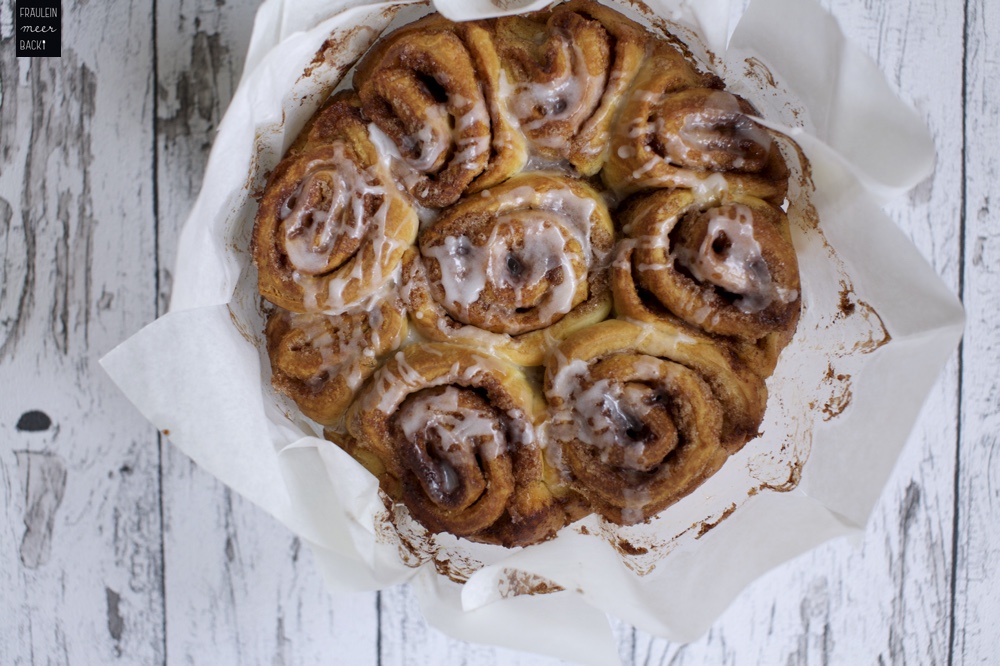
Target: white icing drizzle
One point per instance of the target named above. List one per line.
(431, 145)
(571, 97)
(413, 337)
(622, 258)
(382, 246)
(447, 327)
(469, 134)
(649, 96)
(689, 154)
(451, 428)
(626, 151)
(310, 235)
(341, 341)
(463, 276)
(384, 146)
(468, 147)
(507, 135)
(538, 162)
(699, 135)
(319, 337)
(506, 91)
(635, 499)
(544, 250)
(730, 257)
(576, 210)
(705, 185)
(693, 144)
(426, 215)
(547, 221)
(604, 414)
(395, 386)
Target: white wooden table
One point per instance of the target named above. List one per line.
(115, 548)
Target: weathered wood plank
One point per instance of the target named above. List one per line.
(200, 46)
(240, 588)
(889, 601)
(977, 610)
(80, 545)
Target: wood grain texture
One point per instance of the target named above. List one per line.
(200, 46)
(80, 566)
(977, 611)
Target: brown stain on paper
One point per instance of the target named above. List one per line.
(628, 548)
(417, 546)
(337, 43)
(515, 583)
(706, 526)
(414, 543)
(794, 477)
(841, 396)
(758, 71)
(878, 335)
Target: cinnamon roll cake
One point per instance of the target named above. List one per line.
(530, 268)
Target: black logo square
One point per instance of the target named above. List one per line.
(38, 28)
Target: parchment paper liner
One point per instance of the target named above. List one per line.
(843, 399)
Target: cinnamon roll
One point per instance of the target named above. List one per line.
(641, 415)
(566, 71)
(700, 138)
(514, 267)
(726, 266)
(320, 361)
(515, 405)
(455, 430)
(433, 88)
(331, 228)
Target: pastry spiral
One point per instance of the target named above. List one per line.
(514, 267)
(727, 267)
(568, 166)
(699, 138)
(331, 228)
(641, 415)
(320, 361)
(566, 71)
(433, 88)
(455, 430)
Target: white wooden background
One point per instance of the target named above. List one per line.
(115, 548)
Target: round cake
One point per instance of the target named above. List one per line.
(530, 268)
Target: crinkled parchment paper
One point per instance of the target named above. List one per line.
(843, 399)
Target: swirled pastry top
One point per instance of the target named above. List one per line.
(530, 268)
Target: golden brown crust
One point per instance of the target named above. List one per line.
(513, 269)
(331, 227)
(320, 361)
(727, 267)
(365, 457)
(641, 415)
(567, 70)
(433, 88)
(669, 135)
(456, 432)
